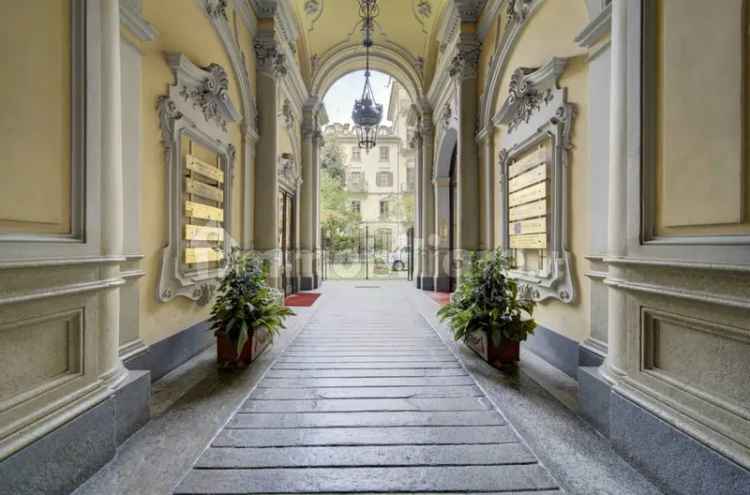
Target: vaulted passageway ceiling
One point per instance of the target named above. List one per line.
(405, 26)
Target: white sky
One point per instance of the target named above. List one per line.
(340, 98)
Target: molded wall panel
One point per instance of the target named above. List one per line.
(700, 116)
(35, 123)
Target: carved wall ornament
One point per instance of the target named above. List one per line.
(219, 9)
(287, 113)
(288, 172)
(523, 96)
(518, 13)
(446, 115)
(198, 107)
(424, 8)
(533, 162)
(270, 58)
(210, 94)
(466, 60)
(518, 10)
(312, 7)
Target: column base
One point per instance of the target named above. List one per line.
(427, 283)
(443, 284)
(307, 282)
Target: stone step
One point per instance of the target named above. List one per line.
(367, 392)
(374, 479)
(382, 455)
(364, 382)
(361, 405)
(404, 435)
(364, 373)
(362, 419)
(332, 365)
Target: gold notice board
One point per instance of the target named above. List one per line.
(203, 219)
(528, 199)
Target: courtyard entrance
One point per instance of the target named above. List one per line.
(368, 254)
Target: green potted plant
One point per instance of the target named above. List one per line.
(487, 312)
(247, 313)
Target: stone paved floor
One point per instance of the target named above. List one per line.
(367, 399)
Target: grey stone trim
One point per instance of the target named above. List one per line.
(60, 461)
(558, 350)
(166, 355)
(597, 29)
(63, 459)
(673, 459)
(489, 15)
(133, 21)
(593, 398)
(132, 404)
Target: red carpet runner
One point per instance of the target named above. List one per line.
(301, 299)
(441, 298)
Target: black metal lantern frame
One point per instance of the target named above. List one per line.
(367, 113)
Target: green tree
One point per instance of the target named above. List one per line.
(338, 221)
(332, 161)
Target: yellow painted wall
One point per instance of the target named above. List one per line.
(703, 179)
(549, 33)
(182, 27)
(35, 121)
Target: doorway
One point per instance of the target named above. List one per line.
(453, 216)
(287, 229)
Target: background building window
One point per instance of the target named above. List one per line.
(356, 156)
(357, 207)
(385, 153)
(384, 179)
(384, 208)
(411, 179)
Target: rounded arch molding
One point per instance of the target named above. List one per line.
(340, 61)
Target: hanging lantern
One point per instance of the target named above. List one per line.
(367, 113)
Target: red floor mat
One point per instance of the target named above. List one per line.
(441, 298)
(301, 299)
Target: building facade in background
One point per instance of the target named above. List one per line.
(380, 184)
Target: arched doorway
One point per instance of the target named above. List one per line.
(367, 197)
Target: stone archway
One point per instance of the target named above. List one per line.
(445, 158)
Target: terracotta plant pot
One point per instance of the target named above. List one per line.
(497, 355)
(226, 350)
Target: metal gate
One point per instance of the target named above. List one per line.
(366, 254)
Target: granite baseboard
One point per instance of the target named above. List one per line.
(674, 460)
(558, 350)
(306, 283)
(428, 283)
(60, 461)
(593, 398)
(164, 356)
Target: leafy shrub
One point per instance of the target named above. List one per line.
(487, 300)
(244, 301)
